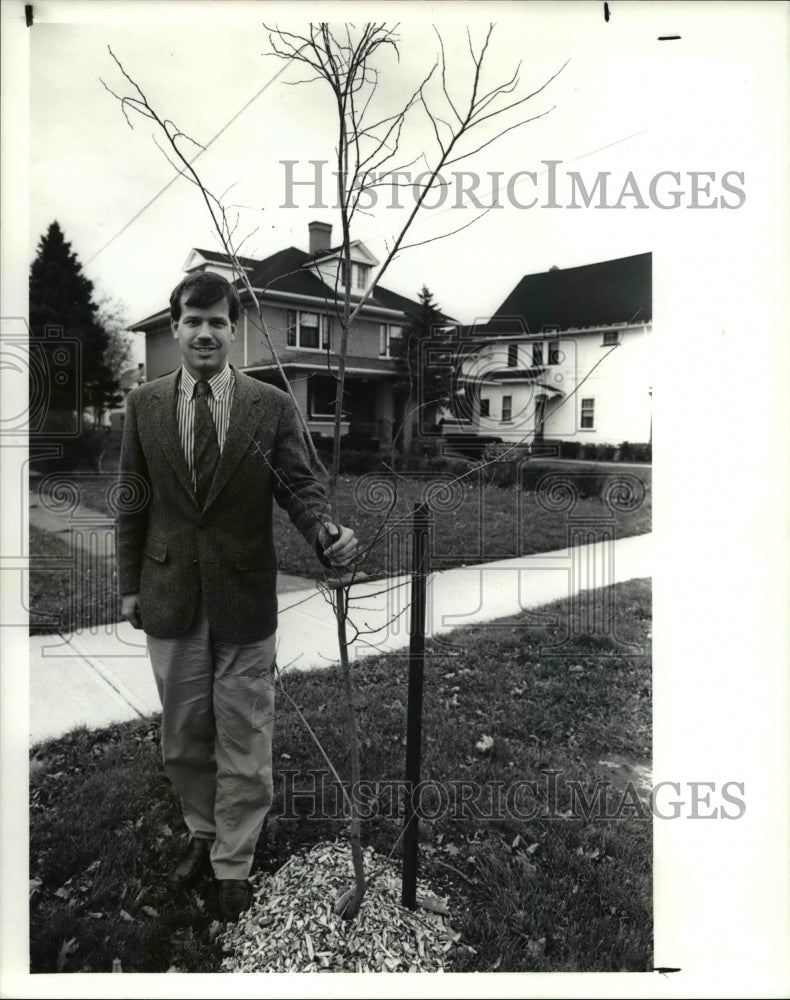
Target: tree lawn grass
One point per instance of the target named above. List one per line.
(521, 732)
(479, 522)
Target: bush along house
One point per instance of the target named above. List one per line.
(564, 363)
(301, 295)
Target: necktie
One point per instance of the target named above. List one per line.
(206, 451)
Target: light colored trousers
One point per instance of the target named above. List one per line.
(217, 723)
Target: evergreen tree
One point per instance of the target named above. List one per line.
(61, 297)
(427, 378)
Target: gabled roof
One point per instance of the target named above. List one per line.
(285, 271)
(215, 257)
(603, 294)
(294, 272)
(358, 253)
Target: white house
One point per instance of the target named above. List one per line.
(565, 357)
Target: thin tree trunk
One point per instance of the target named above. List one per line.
(349, 907)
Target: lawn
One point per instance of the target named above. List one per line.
(549, 882)
(65, 593)
(477, 522)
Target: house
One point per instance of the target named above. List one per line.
(301, 297)
(565, 357)
(129, 379)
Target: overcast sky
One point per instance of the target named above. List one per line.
(625, 102)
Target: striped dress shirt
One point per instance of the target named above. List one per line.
(220, 401)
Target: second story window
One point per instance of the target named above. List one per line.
(611, 337)
(588, 414)
(512, 355)
(390, 340)
(361, 277)
(485, 407)
(556, 357)
(308, 330)
(507, 408)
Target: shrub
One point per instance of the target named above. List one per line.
(531, 475)
(359, 442)
(357, 463)
(569, 449)
(635, 452)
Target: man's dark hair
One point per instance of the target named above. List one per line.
(202, 290)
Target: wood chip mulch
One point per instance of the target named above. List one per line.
(291, 925)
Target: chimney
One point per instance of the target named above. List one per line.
(320, 236)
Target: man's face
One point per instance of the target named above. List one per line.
(204, 336)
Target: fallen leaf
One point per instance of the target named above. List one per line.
(430, 902)
(536, 947)
(67, 948)
(150, 911)
(484, 743)
(33, 885)
(116, 965)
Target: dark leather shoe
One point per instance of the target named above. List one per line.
(193, 866)
(234, 897)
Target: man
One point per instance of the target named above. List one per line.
(210, 448)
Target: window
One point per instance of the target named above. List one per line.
(390, 340)
(611, 337)
(556, 357)
(537, 354)
(309, 330)
(507, 408)
(321, 396)
(512, 355)
(361, 272)
(485, 407)
(588, 414)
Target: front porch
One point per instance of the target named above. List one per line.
(369, 409)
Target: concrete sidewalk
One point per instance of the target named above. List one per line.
(100, 676)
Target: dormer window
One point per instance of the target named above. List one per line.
(361, 276)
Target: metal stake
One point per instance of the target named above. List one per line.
(420, 569)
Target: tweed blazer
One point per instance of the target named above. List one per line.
(171, 552)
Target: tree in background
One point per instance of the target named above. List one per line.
(62, 297)
(63, 311)
(426, 363)
(118, 353)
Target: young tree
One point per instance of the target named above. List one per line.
(346, 59)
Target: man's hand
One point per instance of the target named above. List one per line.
(338, 544)
(130, 609)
